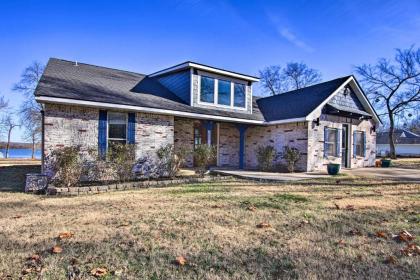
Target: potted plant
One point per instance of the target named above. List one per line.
(333, 168)
(385, 162)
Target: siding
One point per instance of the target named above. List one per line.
(350, 100)
(179, 83)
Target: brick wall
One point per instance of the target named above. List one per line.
(292, 135)
(317, 161)
(75, 125)
(228, 145)
(184, 137)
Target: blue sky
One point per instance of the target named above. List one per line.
(244, 36)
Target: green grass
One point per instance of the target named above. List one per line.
(200, 189)
(277, 201)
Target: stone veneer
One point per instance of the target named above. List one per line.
(292, 135)
(317, 161)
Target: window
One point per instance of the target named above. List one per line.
(117, 128)
(197, 136)
(331, 142)
(359, 143)
(223, 93)
(239, 95)
(207, 89)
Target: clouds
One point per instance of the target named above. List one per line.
(287, 34)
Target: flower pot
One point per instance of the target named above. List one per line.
(385, 163)
(333, 168)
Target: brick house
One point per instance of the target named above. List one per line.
(192, 103)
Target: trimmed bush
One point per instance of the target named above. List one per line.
(266, 155)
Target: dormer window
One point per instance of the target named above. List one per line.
(207, 89)
(223, 93)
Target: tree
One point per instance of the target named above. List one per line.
(3, 103)
(276, 80)
(394, 86)
(30, 110)
(7, 124)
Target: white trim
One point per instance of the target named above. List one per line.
(215, 102)
(44, 99)
(205, 68)
(286, 121)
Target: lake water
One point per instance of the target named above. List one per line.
(20, 153)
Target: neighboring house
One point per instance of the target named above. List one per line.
(192, 103)
(407, 143)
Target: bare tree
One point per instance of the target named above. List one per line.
(271, 79)
(6, 125)
(394, 86)
(3, 103)
(30, 110)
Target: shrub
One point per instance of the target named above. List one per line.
(170, 160)
(203, 156)
(67, 166)
(145, 168)
(97, 169)
(266, 155)
(122, 158)
(291, 156)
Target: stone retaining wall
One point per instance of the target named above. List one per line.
(130, 185)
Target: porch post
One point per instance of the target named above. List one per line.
(209, 128)
(242, 129)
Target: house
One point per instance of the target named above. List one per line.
(407, 143)
(191, 103)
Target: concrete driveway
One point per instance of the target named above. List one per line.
(398, 174)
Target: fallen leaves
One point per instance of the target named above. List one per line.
(381, 234)
(99, 272)
(341, 243)
(33, 265)
(263, 225)
(391, 260)
(350, 207)
(411, 250)
(181, 261)
(56, 249)
(355, 232)
(404, 236)
(65, 235)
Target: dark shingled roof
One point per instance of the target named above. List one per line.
(297, 103)
(63, 79)
(402, 136)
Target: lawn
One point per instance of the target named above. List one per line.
(234, 229)
(411, 163)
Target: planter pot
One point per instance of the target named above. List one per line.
(333, 168)
(385, 163)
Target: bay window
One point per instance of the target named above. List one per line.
(223, 93)
(239, 95)
(207, 89)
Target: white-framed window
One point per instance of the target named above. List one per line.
(359, 143)
(117, 128)
(331, 142)
(222, 92)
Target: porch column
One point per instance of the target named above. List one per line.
(209, 128)
(242, 129)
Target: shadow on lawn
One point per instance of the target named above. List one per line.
(12, 178)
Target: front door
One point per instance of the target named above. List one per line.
(345, 146)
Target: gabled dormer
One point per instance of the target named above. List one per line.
(208, 87)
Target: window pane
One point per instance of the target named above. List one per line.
(331, 149)
(117, 131)
(239, 95)
(359, 144)
(332, 135)
(331, 142)
(117, 118)
(207, 89)
(224, 93)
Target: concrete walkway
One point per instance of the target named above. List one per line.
(270, 176)
(396, 174)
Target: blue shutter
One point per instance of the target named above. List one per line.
(325, 141)
(131, 129)
(354, 143)
(364, 144)
(337, 143)
(102, 133)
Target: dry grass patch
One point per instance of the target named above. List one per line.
(143, 234)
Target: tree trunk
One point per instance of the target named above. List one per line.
(8, 142)
(392, 153)
(33, 148)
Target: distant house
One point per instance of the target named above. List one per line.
(407, 143)
(191, 103)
